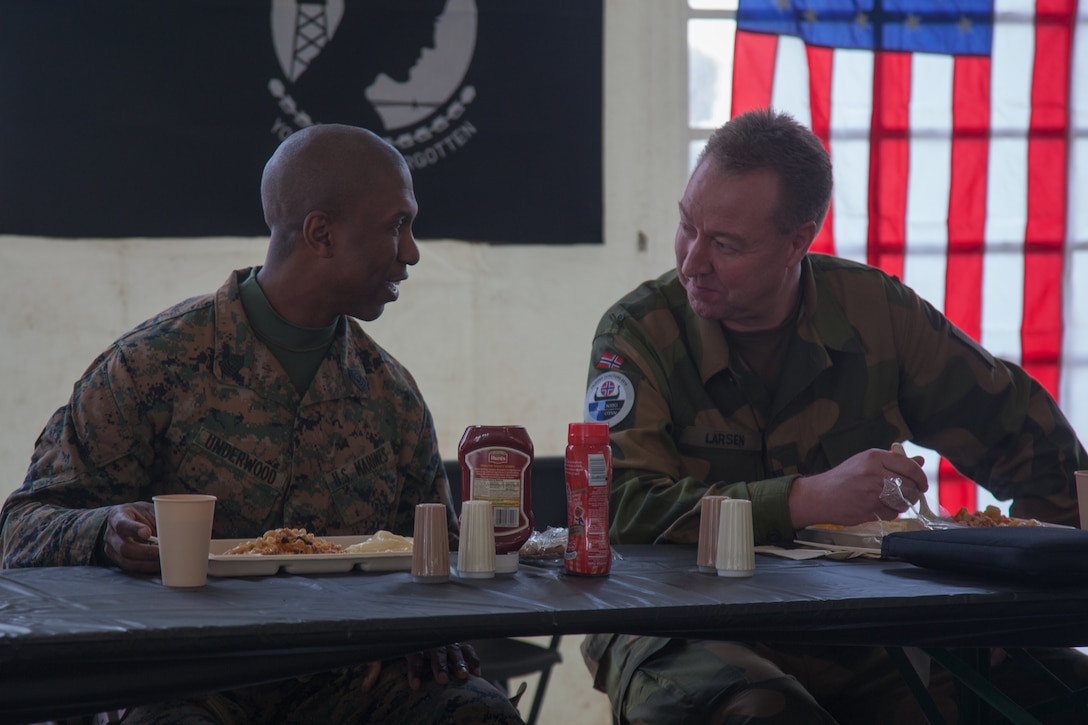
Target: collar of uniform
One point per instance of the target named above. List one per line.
(242, 359)
(823, 321)
(822, 324)
(346, 370)
(715, 354)
(706, 338)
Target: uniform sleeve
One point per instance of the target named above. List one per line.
(655, 497)
(422, 472)
(992, 420)
(85, 460)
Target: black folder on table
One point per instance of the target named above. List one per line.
(1039, 554)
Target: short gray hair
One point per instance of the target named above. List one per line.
(766, 139)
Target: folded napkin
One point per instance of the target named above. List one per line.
(796, 554)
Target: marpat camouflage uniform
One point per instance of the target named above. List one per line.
(871, 363)
(192, 402)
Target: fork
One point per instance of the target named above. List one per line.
(924, 511)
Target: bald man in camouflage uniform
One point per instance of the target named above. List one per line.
(758, 370)
(269, 395)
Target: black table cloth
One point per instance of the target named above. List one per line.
(81, 639)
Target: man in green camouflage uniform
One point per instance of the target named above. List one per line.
(270, 396)
(758, 370)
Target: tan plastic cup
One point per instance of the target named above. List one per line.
(183, 525)
(1082, 497)
(476, 547)
(709, 516)
(736, 555)
(431, 544)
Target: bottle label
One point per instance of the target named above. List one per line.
(497, 475)
(588, 474)
(597, 469)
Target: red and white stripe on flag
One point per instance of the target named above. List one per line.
(959, 174)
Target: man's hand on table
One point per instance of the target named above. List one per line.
(125, 540)
(458, 659)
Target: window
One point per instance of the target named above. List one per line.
(712, 26)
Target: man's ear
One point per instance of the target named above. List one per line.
(317, 233)
(801, 241)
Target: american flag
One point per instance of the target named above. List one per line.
(957, 133)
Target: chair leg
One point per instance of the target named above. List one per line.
(538, 697)
(542, 684)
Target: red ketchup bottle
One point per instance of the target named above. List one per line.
(496, 466)
(588, 468)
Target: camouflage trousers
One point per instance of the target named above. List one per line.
(655, 681)
(338, 697)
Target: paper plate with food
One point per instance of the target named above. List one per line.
(992, 516)
(297, 551)
(867, 537)
(864, 537)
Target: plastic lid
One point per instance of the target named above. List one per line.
(507, 563)
(588, 433)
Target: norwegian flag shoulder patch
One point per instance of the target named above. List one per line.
(609, 361)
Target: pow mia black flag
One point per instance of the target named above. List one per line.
(123, 118)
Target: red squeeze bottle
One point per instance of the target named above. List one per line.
(588, 468)
(496, 466)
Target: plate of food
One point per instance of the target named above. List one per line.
(861, 536)
(296, 551)
(991, 516)
(869, 535)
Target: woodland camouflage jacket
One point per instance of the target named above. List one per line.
(871, 363)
